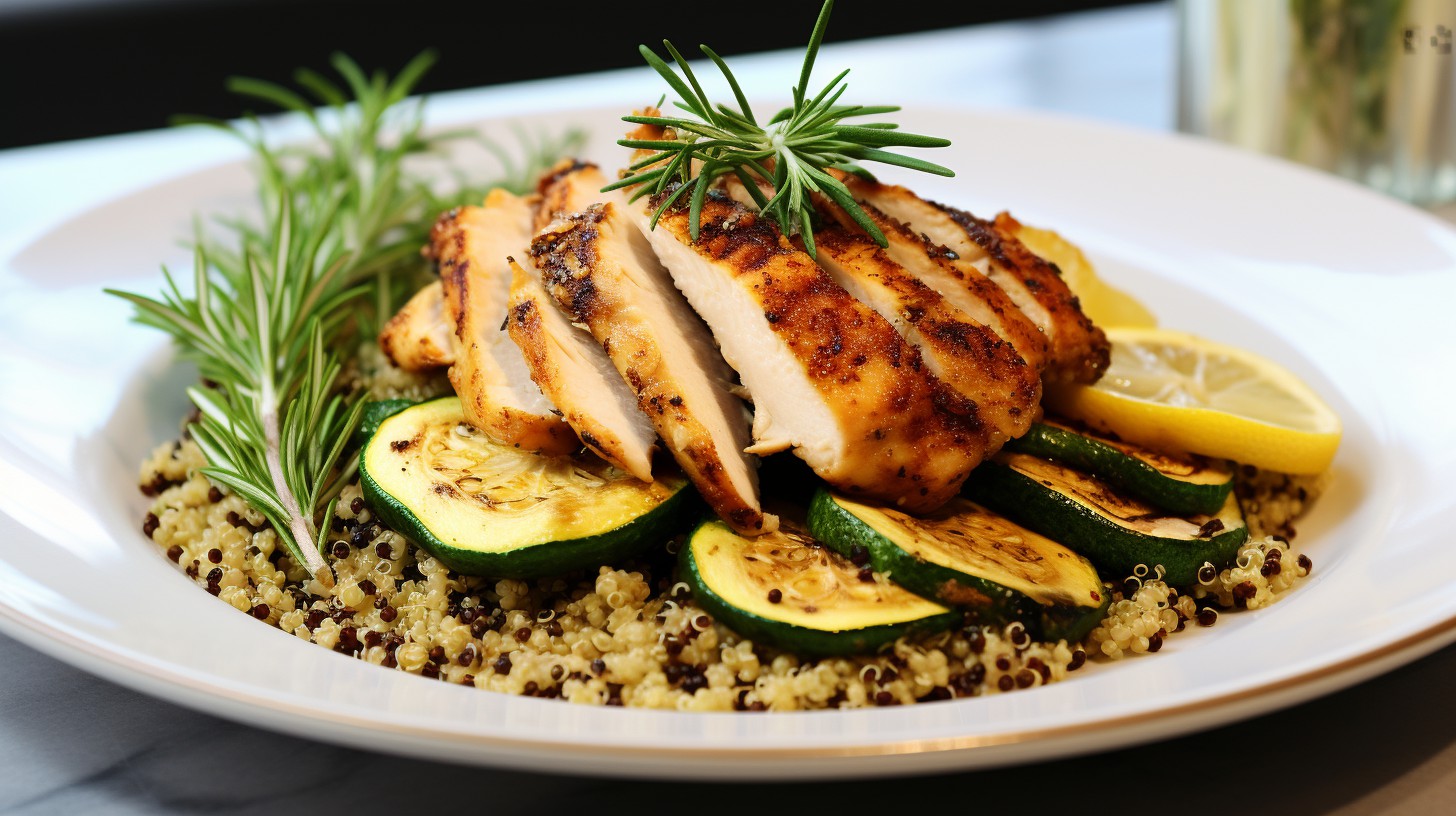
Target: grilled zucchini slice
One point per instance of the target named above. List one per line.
(785, 589)
(486, 508)
(1118, 533)
(964, 555)
(1176, 484)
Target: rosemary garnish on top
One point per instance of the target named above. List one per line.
(279, 308)
(792, 153)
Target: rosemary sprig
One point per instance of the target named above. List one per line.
(791, 154)
(278, 308)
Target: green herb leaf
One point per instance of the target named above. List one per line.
(790, 155)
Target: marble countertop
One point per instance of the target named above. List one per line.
(71, 743)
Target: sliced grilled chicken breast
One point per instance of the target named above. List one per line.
(1078, 350)
(417, 338)
(829, 377)
(576, 375)
(963, 352)
(471, 244)
(603, 272)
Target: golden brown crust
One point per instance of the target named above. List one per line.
(971, 358)
(1079, 350)
(417, 337)
(594, 291)
(911, 440)
(484, 401)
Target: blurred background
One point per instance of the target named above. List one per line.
(78, 68)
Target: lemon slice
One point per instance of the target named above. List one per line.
(1103, 303)
(1167, 389)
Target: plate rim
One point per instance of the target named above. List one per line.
(1240, 703)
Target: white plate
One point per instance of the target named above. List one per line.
(1349, 289)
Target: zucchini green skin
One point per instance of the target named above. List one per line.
(1116, 551)
(840, 530)
(1129, 473)
(549, 558)
(790, 637)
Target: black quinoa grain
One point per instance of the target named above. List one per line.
(192, 569)
(1271, 568)
(383, 550)
(1274, 554)
(530, 688)
(1155, 641)
(214, 495)
(523, 634)
(502, 664)
(467, 655)
(381, 602)
(557, 672)
(702, 622)
(937, 693)
(357, 505)
(1245, 591)
(1079, 659)
(1207, 616)
(598, 666)
(213, 589)
(214, 575)
(775, 595)
(437, 655)
(260, 611)
(1019, 636)
(373, 638)
(314, 619)
(467, 680)
(1206, 574)
(367, 587)
(174, 552)
(884, 698)
(479, 627)
(1026, 678)
(554, 629)
(348, 640)
(1305, 564)
(976, 639)
(236, 520)
(1006, 683)
(388, 614)
(150, 525)
(757, 705)
(430, 670)
(859, 554)
(340, 550)
(1003, 663)
(390, 661)
(214, 555)
(866, 575)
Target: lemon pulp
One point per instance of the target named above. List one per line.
(1170, 389)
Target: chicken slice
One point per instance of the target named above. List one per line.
(963, 352)
(1078, 350)
(574, 372)
(490, 376)
(828, 375)
(417, 338)
(603, 272)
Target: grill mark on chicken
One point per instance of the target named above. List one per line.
(872, 422)
(487, 371)
(590, 263)
(967, 355)
(417, 337)
(1076, 349)
(570, 369)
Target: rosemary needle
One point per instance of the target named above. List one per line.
(791, 154)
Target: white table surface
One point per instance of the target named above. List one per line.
(70, 743)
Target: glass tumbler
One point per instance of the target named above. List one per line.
(1361, 88)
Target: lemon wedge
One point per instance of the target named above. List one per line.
(1103, 303)
(1168, 389)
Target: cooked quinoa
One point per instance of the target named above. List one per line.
(629, 634)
